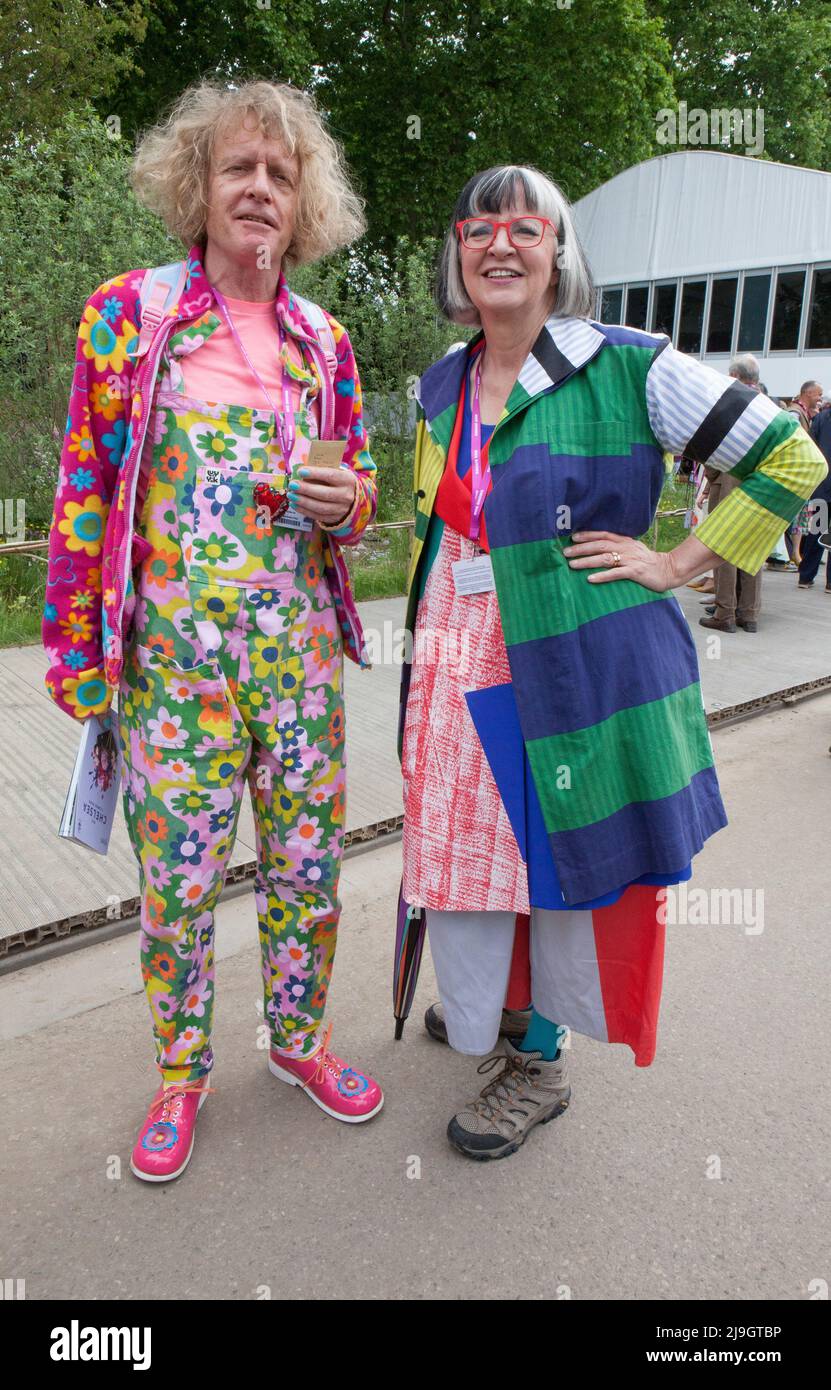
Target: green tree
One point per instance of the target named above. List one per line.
(57, 54)
(68, 221)
(232, 41)
(425, 94)
(773, 54)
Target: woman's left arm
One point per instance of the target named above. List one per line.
(353, 484)
(733, 429)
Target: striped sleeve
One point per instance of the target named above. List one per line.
(734, 429)
(428, 466)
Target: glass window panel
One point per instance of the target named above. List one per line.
(611, 304)
(636, 302)
(754, 315)
(692, 315)
(819, 327)
(722, 314)
(787, 311)
(663, 309)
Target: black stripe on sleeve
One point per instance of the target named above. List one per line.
(721, 419)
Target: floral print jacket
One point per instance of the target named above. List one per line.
(92, 542)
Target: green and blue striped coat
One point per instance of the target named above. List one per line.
(606, 676)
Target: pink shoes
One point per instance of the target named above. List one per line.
(165, 1144)
(338, 1089)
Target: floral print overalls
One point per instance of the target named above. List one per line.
(234, 674)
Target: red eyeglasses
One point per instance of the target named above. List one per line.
(478, 233)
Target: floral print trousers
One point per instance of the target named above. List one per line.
(233, 675)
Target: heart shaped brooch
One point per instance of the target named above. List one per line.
(271, 497)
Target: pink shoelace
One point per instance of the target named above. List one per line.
(173, 1094)
(324, 1059)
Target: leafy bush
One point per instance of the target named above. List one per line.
(68, 221)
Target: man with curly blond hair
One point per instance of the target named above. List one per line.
(214, 464)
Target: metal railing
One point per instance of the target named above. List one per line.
(33, 547)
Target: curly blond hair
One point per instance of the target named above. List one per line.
(171, 168)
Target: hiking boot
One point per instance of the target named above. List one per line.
(526, 1092)
(341, 1091)
(748, 624)
(165, 1144)
(514, 1023)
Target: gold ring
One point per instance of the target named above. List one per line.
(614, 559)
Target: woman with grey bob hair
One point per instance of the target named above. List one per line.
(488, 192)
(558, 771)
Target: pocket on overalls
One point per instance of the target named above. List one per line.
(234, 536)
(177, 707)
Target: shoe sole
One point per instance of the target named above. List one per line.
(168, 1177)
(482, 1156)
(278, 1071)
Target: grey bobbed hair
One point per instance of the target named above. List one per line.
(493, 191)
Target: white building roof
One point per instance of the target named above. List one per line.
(703, 211)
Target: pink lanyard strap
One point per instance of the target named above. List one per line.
(480, 481)
(283, 419)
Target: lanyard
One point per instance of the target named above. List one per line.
(283, 419)
(480, 481)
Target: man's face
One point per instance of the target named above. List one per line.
(252, 194)
(811, 399)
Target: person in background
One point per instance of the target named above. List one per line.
(806, 404)
(819, 507)
(805, 407)
(738, 595)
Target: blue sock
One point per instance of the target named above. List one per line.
(542, 1036)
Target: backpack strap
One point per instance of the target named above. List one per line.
(160, 290)
(326, 341)
(322, 327)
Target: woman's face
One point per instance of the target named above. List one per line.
(253, 189)
(528, 289)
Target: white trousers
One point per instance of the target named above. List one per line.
(472, 958)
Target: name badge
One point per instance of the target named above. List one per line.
(473, 576)
(296, 520)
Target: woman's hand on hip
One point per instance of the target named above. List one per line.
(326, 495)
(592, 549)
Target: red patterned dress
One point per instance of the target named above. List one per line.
(459, 851)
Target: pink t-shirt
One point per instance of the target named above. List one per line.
(218, 371)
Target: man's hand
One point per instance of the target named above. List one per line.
(326, 495)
